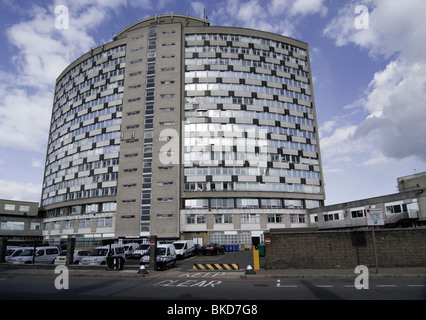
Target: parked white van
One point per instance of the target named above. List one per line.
(184, 248)
(130, 248)
(46, 255)
(13, 252)
(78, 256)
(99, 255)
(140, 250)
(166, 256)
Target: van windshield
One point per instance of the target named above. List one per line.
(27, 253)
(179, 246)
(161, 251)
(99, 252)
(143, 247)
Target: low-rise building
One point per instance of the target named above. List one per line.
(20, 221)
(404, 209)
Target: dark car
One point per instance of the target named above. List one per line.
(213, 248)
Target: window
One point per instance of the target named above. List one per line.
(9, 207)
(24, 208)
(275, 218)
(91, 208)
(12, 225)
(196, 203)
(104, 222)
(358, 213)
(247, 203)
(222, 203)
(109, 206)
(35, 226)
(128, 201)
(69, 224)
(297, 218)
(223, 218)
(331, 217)
(250, 218)
(76, 210)
(195, 218)
(397, 208)
(85, 223)
(271, 203)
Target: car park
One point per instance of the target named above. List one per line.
(140, 250)
(78, 256)
(184, 248)
(166, 256)
(99, 255)
(43, 255)
(212, 248)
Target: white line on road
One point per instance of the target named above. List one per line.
(324, 286)
(415, 285)
(386, 285)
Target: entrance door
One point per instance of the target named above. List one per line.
(198, 240)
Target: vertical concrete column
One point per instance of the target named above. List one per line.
(153, 253)
(3, 246)
(70, 251)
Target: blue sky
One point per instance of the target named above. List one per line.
(369, 80)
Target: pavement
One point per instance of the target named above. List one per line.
(133, 271)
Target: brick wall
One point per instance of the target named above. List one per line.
(346, 249)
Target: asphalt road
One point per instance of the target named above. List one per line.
(212, 286)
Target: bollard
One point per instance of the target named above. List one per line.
(256, 259)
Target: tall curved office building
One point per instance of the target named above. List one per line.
(183, 130)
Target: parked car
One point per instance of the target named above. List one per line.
(42, 255)
(140, 250)
(184, 248)
(78, 256)
(99, 255)
(13, 252)
(166, 256)
(212, 248)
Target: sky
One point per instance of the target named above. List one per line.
(367, 60)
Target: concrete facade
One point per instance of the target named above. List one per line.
(180, 129)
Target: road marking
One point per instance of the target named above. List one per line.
(385, 285)
(187, 283)
(416, 285)
(324, 286)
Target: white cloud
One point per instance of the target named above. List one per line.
(19, 191)
(42, 52)
(306, 7)
(395, 121)
(278, 16)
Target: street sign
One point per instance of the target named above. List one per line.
(152, 243)
(268, 241)
(375, 217)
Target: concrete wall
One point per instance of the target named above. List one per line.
(346, 249)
